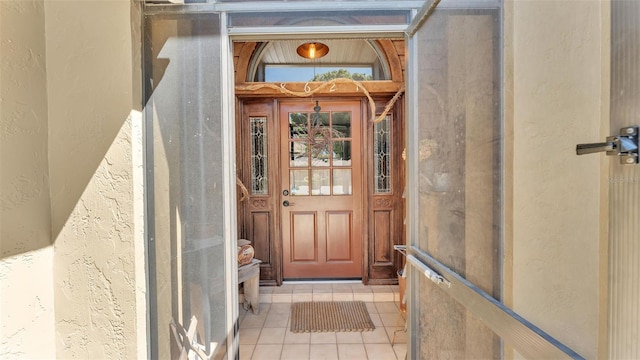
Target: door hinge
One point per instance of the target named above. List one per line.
(624, 145)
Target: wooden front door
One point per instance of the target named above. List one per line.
(321, 189)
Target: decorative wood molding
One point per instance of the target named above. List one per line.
(378, 87)
(259, 203)
(382, 203)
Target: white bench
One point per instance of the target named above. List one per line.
(249, 274)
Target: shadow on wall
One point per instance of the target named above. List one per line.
(61, 112)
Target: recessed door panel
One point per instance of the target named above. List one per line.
(303, 240)
(338, 227)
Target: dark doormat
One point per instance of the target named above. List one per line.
(326, 316)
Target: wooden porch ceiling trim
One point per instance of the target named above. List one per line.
(375, 88)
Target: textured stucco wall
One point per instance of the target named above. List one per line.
(94, 168)
(26, 255)
(555, 86)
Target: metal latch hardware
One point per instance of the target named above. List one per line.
(624, 145)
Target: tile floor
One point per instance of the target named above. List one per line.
(267, 336)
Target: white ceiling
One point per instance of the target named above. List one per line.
(348, 52)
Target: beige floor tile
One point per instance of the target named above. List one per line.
(360, 286)
(308, 290)
(377, 336)
(280, 309)
(266, 289)
(361, 291)
(382, 297)
(249, 336)
(381, 289)
(322, 290)
(272, 336)
(284, 289)
(391, 319)
(246, 351)
(301, 297)
(387, 307)
(401, 351)
(322, 296)
(295, 352)
(349, 337)
(352, 352)
(323, 338)
(342, 296)
(303, 286)
(366, 297)
(375, 318)
(276, 320)
(322, 287)
(267, 352)
(297, 338)
(264, 298)
(371, 307)
(323, 352)
(342, 287)
(400, 335)
(380, 352)
(253, 321)
(281, 298)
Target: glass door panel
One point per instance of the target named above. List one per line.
(190, 266)
(455, 129)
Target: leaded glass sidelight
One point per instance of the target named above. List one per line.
(382, 156)
(259, 164)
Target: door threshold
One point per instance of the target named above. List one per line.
(322, 281)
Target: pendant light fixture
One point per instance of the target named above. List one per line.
(312, 50)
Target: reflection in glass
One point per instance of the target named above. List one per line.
(320, 122)
(259, 178)
(342, 153)
(320, 155)
(320, 182)
(299, 182)
(382, 156)
(342, 182)
(341, 124)
(298, 154)
(298, 125)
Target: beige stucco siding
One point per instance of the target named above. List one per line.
(26, 255)
(72, 262)
(93, 178)
(554, 73)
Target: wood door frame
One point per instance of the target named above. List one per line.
(379, 261)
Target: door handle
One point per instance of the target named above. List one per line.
(286, 203)
(624, 145)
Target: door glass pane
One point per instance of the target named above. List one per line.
(320, 124)
(456, 132)
(341, 122)
(320, 154)
(299, 182)
(259, 163)
(298, 154)
(382, 156)
(298, 125)
(320, 182)
(342, 182)
(341, 153)
(184, 121)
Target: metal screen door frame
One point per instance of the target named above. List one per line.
(424, 268)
